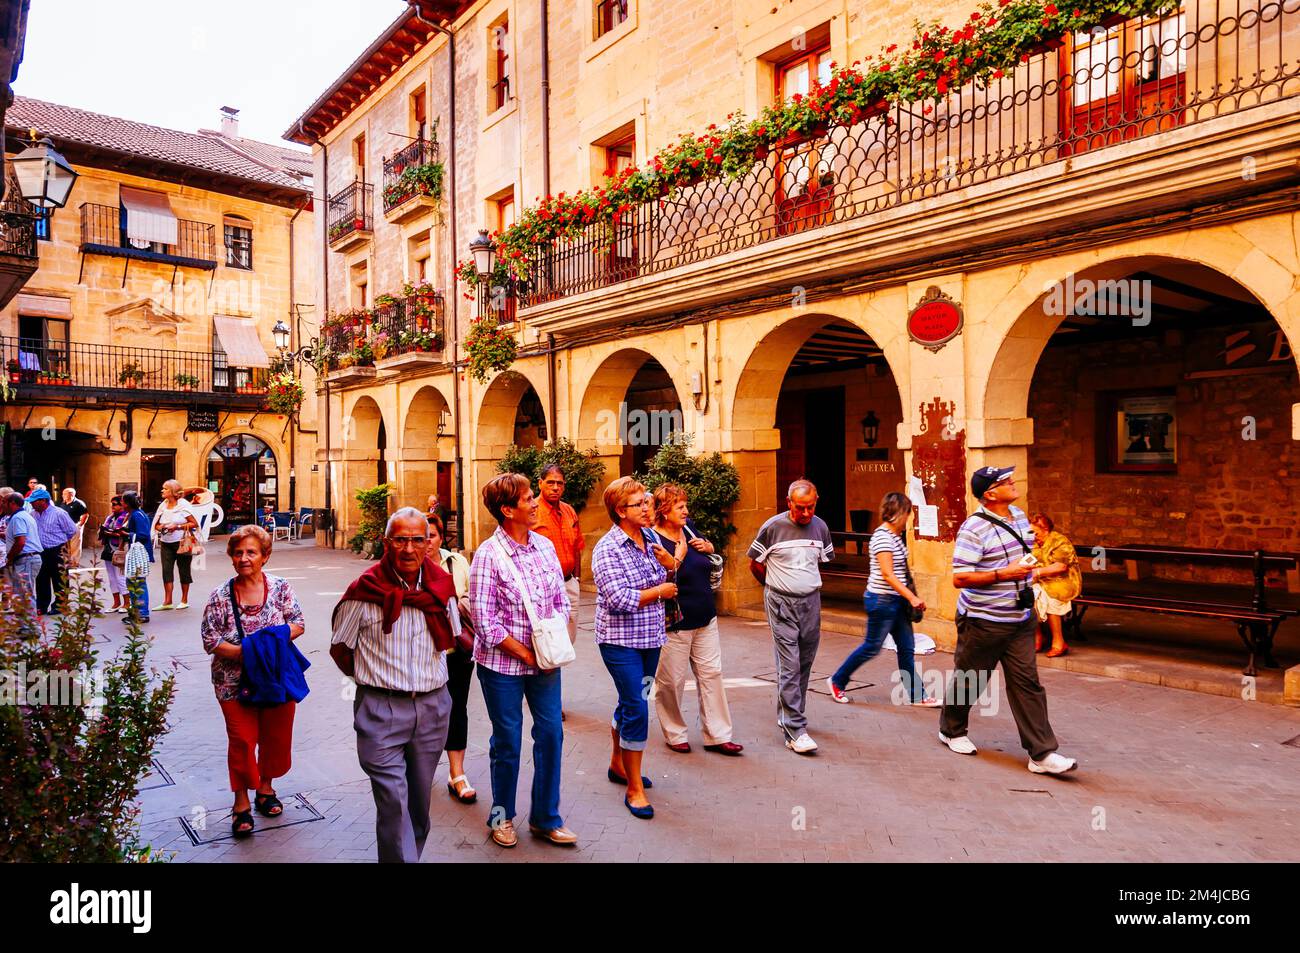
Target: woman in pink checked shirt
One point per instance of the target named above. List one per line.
(507, 668)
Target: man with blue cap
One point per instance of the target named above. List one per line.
(992, 567)
(56, 530)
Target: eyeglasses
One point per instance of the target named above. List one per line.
(408, 540)
(552, 483)
(643, 503)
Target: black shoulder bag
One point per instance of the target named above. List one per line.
(1024, 594)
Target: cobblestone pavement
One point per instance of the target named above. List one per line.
(1165, 775)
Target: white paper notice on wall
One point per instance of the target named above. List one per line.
(915, 491)
(927, 520)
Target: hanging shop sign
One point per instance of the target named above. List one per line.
(203, 419)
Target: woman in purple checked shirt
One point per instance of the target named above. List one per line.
(507, 667)
(630, 569)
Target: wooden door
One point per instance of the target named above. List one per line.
(1122, 83)
(622, 260)
(805, 186)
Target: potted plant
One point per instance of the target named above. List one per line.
(131, 375)
(284, 393)
(380, 345)
(489, 347)
(15, 371)
(186, 382)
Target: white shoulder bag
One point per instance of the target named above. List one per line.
(551, 642)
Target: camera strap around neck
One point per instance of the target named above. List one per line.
(997, 522)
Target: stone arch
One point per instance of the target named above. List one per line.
(360, 425)
(753, 407)
(1004, 393)
(420, 422)
(495, 413)
(754, 443)
(1134, 434)
(422, 448)
(607, 388)
(363, 450)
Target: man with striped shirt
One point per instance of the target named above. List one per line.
(785, 557)
(391, 630)
(996, 621)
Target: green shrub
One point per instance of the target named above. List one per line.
(582, 471)
(712, 486)
(369, 537)
(71, 771)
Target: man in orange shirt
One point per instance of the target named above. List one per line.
(558, 522)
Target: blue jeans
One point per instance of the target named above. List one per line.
(633, 671)
(885, 615)
(504, 696)
(138, 587)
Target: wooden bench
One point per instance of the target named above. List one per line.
(1256, 622)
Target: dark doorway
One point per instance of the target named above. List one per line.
(156, 468)
(650, 415)
(381, 465)
(812, 446)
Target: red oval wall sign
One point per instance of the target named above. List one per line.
(935, 320)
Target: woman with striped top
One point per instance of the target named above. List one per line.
(889, 599)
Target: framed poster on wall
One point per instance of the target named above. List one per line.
(1140, 431)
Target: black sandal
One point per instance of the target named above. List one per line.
(240, 819)
(268, 805)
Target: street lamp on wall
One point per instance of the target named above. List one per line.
(280, 335)
(484, 252)
(45, 178)
(484, 255)
(870, 428)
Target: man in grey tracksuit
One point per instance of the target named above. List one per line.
(785, 557)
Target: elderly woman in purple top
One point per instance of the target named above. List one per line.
(507, 667)
(630, 569)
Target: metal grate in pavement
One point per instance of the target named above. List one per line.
(209, 827)
(158, 777)
(1292, 742)
(817, 682)
(189, 660)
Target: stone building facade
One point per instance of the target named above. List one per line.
(125, 354)
(778, 305)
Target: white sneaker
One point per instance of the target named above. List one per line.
(962, 745)
(837, 693)
(1053, 764)
(929, 701)
(802, 745)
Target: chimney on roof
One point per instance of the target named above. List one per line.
(230, 122)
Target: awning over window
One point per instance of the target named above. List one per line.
(240, 341)
(149, 216)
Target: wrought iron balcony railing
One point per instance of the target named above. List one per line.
(415, 323)
(398, 188)
(351, 211)
(73, 368)
(17, 224)
(1132, 80)
(411, 324)
(103, 232)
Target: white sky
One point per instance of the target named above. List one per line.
(173, 63)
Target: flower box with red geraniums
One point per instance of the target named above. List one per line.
(994, 40)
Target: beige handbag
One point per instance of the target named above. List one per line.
(550, 640)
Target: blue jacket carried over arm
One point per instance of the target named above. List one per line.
(273, 668)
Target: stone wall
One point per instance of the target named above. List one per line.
(1228, 492)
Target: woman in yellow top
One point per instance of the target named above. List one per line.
(1053, 595)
